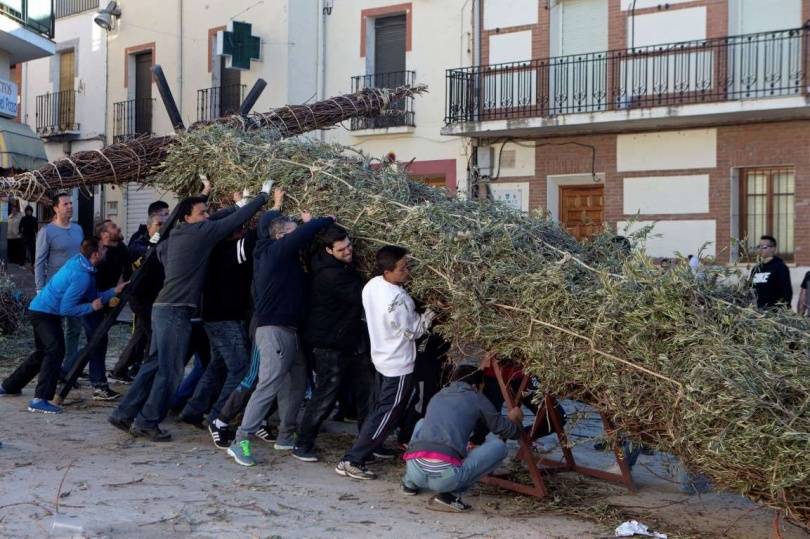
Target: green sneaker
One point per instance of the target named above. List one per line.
(240, 451)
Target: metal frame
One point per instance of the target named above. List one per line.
(537, 466)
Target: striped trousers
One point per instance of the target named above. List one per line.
(391, 399)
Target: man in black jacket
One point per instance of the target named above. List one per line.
(771, 277)
(141, 301)
(334, 331)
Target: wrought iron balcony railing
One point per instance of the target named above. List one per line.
(56, 114)
(132, 118)
(751, 66)
(399, 113)
(213, 103)
(36, 15)
(66, 8)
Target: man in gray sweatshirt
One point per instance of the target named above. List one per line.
(437, 457)
(57, 242)
(184, 255)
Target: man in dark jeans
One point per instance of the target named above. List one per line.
(335, 332)
(185, 258)
(70, 292)
(112, 269)
(226, 307)
(140, 302)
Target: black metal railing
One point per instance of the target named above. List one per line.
(399, 112)
(751, 66)
(132, 118)
(56, 114)
(213, 103)
(66, 8)
(36, 15)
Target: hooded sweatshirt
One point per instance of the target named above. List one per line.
(71, 291)
(451, 417)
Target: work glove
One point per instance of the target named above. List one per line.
(267, 186)
(155, 238)
(428, 317)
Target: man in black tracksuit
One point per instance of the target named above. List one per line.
(771, 277)
(334, 331)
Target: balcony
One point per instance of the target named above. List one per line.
(132, 118)
(213, 103)
(35, 15)
(399, 113)
(66, 8)
(753, 77)
(26, 29)
(56, 115)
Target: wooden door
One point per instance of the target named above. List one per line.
(143, 93)
(65, 99)
(582, 209)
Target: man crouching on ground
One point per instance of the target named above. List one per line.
(437, 457)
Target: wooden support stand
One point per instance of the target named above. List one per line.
(537, 466)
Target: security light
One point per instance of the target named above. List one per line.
(105, 16)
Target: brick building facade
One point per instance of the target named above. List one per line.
(690, 114)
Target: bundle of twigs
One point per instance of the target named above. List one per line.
(136, 159)
(723, 387)
(12, 306)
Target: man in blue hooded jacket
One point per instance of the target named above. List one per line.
(71, 292)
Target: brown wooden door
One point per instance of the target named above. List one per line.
(582, 209)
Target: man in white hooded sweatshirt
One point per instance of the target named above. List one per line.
(393, 327)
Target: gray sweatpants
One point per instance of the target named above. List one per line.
(282, 373)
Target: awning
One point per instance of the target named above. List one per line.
(20, 148)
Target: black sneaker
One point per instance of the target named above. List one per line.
(408, 490)
(120, 424)
(155, 434)
(104, 393)
(123, 379)
(222, 436)
(383, 453)
(266, 434)
(305, 455)
(449, 503)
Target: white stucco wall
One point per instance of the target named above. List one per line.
(506, 13)
(666, 194)
(669, 238)
(667, 150)
(667, 26)
(440, 40)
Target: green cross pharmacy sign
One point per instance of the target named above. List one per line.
(238, 45)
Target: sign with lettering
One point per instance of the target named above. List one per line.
(8, 99)
(238, 45)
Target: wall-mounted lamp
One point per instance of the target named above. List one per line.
(104, 18)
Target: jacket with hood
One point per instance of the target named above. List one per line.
(71, 291)
(336, 304)
(451, 417)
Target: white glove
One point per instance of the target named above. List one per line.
(428, 317)
(155, 238)
(267, 186)
(241, 202)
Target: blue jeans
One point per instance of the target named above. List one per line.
(147, 401)
(229, 362)
(97, 358)
(186, 388)
(479, 462)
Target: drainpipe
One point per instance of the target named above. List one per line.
(179, 94)
(325, 7)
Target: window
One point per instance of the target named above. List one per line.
(767, 207)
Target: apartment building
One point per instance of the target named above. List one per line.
(63, 95)
(374, 43)
(691, 113)
(26, 32)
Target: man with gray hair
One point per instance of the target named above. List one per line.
(279, 293)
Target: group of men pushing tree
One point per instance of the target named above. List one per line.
(271, 320)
